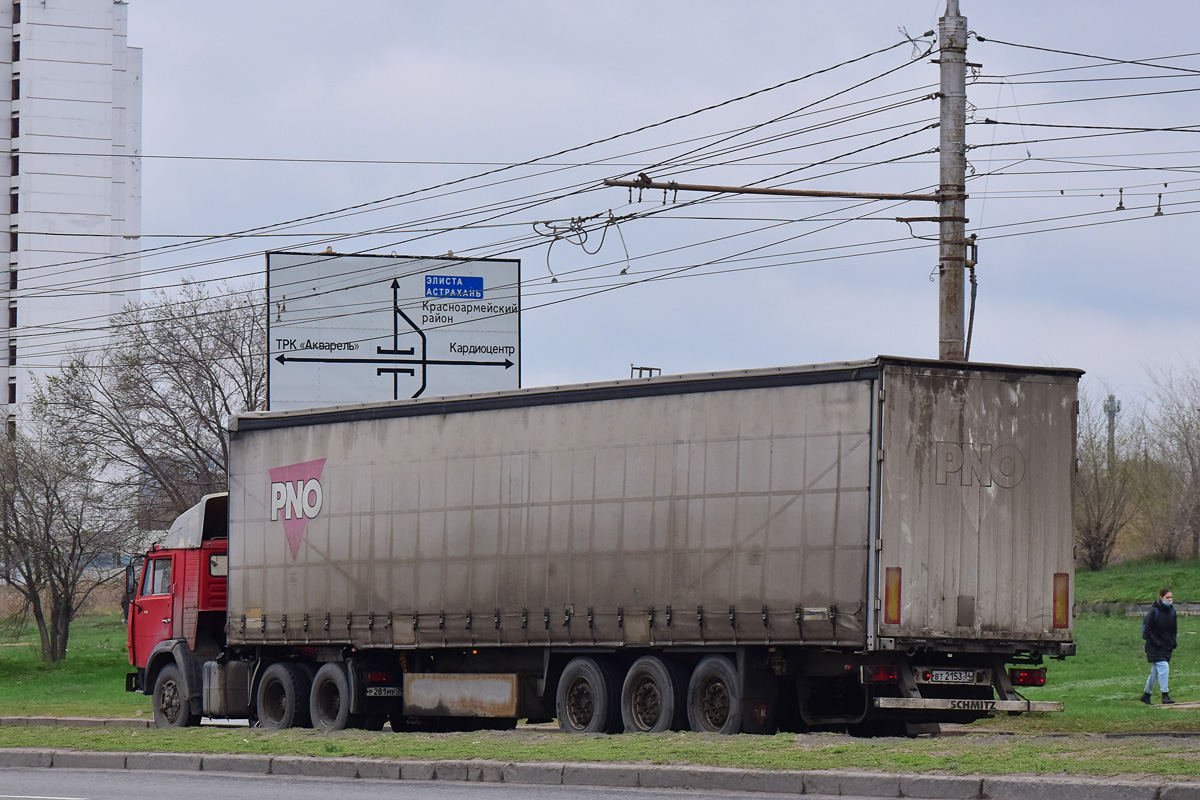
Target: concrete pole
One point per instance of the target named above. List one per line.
(1111, 407)
(952, 32)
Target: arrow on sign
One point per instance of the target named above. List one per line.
(506, 363)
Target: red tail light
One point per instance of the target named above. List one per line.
(1027, 677)
(378, 677)
(880, 673)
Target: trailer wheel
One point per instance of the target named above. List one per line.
(654, 696)
(330, 699)
(282, 696)
(588, 697)
(715, 697)
(172, 709)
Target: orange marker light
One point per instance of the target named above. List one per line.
(1062, 600)
(891, 596)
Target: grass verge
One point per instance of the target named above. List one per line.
(1100, 688)
(90, 682)
(1086, 754)
(1139, 582)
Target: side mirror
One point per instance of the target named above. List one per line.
(131, 576)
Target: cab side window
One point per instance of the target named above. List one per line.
(158, 577)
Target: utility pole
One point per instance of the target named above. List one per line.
(951, 196)
(952, 33)
(1111, 407)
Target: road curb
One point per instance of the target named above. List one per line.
(796, 782)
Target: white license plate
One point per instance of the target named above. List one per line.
(952, 676)
(383, 691)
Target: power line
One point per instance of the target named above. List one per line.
(1137, 62)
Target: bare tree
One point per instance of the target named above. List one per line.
(61, 527)
(1103, 497)
(154, 399)
(1171, 489)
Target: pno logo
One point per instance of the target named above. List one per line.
(979, 461)
(296, 496)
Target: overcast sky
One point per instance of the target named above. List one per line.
(455, 89)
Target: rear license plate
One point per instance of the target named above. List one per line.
(952, 676)
(383, 691)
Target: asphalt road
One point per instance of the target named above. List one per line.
(86, 784)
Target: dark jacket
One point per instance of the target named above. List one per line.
(1158, 629)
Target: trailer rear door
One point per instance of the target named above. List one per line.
(975, 528)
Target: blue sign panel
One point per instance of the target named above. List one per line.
(453, 286)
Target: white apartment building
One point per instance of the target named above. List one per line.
(74, 210)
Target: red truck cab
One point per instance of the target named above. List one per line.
(179, 599)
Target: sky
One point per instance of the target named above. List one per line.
(253, 114)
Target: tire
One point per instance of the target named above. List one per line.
(283, 697)
(329, 701)
(714, 698)
(588, 699)
(654, 696)
(172, 708)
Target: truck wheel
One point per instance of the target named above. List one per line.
(714, 698)
(654, 696)
(172, 709)
(330, 699)
(589, 697)
(282, 697)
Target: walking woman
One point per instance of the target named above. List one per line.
(1158, 629)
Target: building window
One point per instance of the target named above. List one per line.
(15, 165)
(12, 316)
(12, 428)
(12, 280)
(14, 204)
(12, 241)
(16, 13)
(16, 90)
(12, 391)
(12, 354)
(16, 53)
(15, 128)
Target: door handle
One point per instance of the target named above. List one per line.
(166, 619)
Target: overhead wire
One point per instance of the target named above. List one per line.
(809, 166)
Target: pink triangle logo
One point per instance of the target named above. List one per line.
(296, 497)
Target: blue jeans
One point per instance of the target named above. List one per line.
(1159, 671)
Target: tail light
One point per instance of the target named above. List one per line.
(1027, 677)
(378, 677)
(880, 673)
(891, 596)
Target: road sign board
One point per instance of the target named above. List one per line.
(356, 328)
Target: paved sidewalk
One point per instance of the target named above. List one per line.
(795, 782)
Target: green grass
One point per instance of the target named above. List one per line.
(1100, 688)
(1139, 582)
(89, 682)
(980, 754)
(1100, 685)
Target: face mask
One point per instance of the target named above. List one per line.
(1166, 603)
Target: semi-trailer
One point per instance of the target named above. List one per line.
(872, 545)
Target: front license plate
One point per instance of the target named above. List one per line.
(952, 676)
(383, 691)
